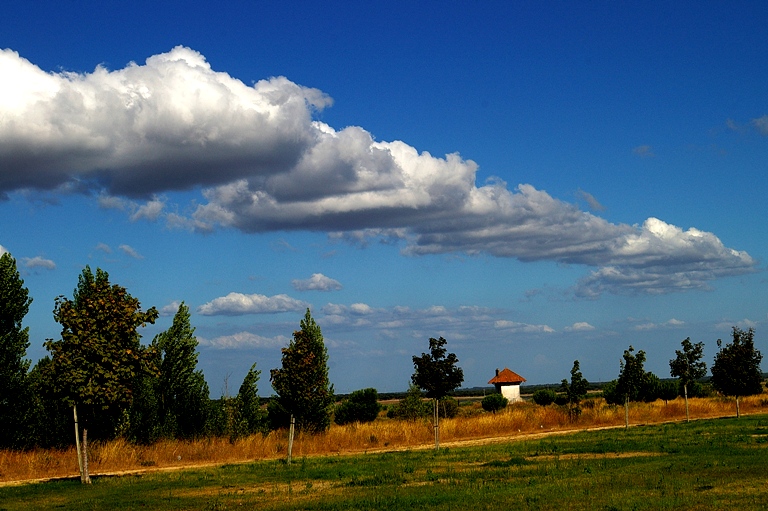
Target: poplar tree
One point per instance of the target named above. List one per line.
(632, 379)
(301, 384)
(181, 390)
(251, 416)
(99, 355)
(14, 341)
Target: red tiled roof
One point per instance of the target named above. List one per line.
(507, 376)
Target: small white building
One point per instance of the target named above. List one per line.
(507, 384)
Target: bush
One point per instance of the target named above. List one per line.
(411, 407)
(361, 406)
(448, 408)
(610, 395)
(494, 403)
(544, 397)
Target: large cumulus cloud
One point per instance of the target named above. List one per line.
(264, 162)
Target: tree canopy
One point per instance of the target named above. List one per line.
(14, 341)
(688, 366)
(435, 372)
(736, 369)
(99, 354)
(302, 385)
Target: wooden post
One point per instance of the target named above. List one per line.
(290, 438)
(86, 475)
(626, 412)
(738, 412)
(437, 425)
(77, 443)
(685, 391)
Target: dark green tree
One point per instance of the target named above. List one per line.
(574, 391)
(494, 402)
(632, 379)
(411, 407)
(251, 416)
(182, 393)
(14, 341)
(736, 370)
(544, 397)
(302, 385)
(97, 360)
(688, 367)
(437, 373)
(361, 406)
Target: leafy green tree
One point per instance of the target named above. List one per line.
(411, 407)
(736, 370)
(688, 367)
(50, 421)
(361, 406)
(544, 397)
(14, 341)
(632, 379)
(668, 390)
(96, 362)
(494, 402)
(251, 416)
(574, 391)
(437, 373)
(302, 385)
(182, 392)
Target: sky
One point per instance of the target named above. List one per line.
(536, 182)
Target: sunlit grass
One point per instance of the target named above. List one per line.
(381, 435)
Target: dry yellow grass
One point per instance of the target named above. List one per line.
(383, 434)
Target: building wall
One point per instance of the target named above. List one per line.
(511, 392)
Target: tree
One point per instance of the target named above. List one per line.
(544, 397)
(411, 407)
(632, 379)
(688, 367)
(182, 392)
(494, 402)
(361, 406)
(14, 341)
(96, 362)
(736, 370)
(251, 416)
(575, 391)
(302, 385)
(437, 374)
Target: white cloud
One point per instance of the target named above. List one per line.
(672, 323)
(317, 282)
(744, 324)
(361, 308)
(238, 304)
(581, 326)
(264, 164)
(761, 124)
(103, 247)
(39, 262)
(244, 340)
(171, 309)
(516, 327)
(130, 251)
(643, 151)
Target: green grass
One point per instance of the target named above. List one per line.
(712, 464)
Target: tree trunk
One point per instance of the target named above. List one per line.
(437, 426)
(290, 438)
(77, 444)
(626, 412)
(86, 476)
(685, 391)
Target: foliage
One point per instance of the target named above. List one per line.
(494, 403)
(736, 370)
(302, 385)
(96, 362)
(668, 390)
(50, 419)
(437, 373)
(688, 365)
(544, 397)
(251, 417)
(181, 390)
(14, 341)
(574, 391)
(361, 406)
(411, 407)
(632, 377)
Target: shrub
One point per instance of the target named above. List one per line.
(448, 408)
(361, 406)
(544, 397)
(494, 403)
(411, 407)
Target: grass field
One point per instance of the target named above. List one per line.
(705, 464)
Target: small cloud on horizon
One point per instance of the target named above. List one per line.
(317, 282)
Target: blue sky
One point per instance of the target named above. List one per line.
(537, 182)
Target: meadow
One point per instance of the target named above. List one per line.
(471, 425)
(704, 464)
